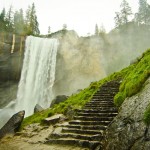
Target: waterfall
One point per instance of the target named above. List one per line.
(37, 77)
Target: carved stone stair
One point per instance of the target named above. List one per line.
(88, 126)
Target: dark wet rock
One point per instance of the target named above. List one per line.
(59, 99)
(38, 108)
(13, 124)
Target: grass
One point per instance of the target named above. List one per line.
(136, 76)
(132, 77)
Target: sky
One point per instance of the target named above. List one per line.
(79, 15)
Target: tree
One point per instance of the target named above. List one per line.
(118, 20)
(96, 30)
(143, 15)
(122, 17)
(49, 30)
(64, 26)
(3, 20)
(9, 20)
(125, 12)
(31, 23)
(19, 25)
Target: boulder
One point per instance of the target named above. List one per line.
(58, 99)
(13, 124)
(37, 108)
(54, 119)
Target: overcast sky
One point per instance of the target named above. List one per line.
(80, 15)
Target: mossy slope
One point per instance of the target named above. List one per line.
(132, 77)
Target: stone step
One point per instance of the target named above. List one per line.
(99, 105)
(98, 111)
(107, 91)
(100, 102)
(80, 131)
(78, 122)
(101, 108)
(104, 95)
(103, 98)
(97, 114)
(86, 127)
(81, 143)
(96, 137)
(83, 118)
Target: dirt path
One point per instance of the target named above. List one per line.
(32, 139)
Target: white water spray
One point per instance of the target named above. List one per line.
(37, 77)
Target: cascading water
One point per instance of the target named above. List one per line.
(37, 77)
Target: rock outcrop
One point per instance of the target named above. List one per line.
(128, 130)
(12, 125)
(58, 99)
(11, 56)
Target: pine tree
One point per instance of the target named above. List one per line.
(3, 20)
(96, 30)
(118, 20)
(143, 16)
(49, 30)
(19, 26)
(64, 27)
(32, 25)
(9, 20)
(122, 17)
(125, 12)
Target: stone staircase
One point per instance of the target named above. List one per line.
(88, 126)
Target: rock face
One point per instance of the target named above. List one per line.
(11, 56)
(128, 130)
(79, 62)
(13, 124)
(37, 108)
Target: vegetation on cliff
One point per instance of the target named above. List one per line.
(132, 79)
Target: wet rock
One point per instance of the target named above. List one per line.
(54, 119)
(38, 108)
(13, 124)
(59, 99)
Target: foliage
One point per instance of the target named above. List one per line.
(143, 15)
(32, 26)
(15, 22)
(96, 30)
(134, 79)
(122, 17)
(19, 23)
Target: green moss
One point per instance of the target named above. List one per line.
(134, 79)
(147, 116)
